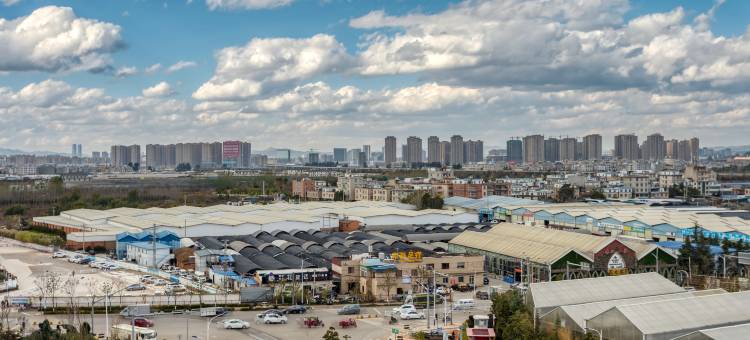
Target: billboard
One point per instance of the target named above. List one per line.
(231, 149)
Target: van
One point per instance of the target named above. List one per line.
(464, 304)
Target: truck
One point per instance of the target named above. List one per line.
(212, 311)
(136, 310)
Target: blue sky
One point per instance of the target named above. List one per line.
(314, 74)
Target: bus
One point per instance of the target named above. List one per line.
(124, 331)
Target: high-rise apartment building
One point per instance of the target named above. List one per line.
(568, 149)
(414, 146)
(626, 147)
(551, 149)
(473, 151)
(389, 150)
(354, 157)
(445, 153)
(76, 150)
(654, 148)
(514, 150)
(211, 155)
(433, 149)
(592, 147)
(367, 150)
(457, 150)
(533, 149)
(339, 155)
(672, 147)
(124, 155)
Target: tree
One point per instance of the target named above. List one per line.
(566, 193)
(504, 306)
(331, 334)
(338, 196)
(15, 210)
(687, 251)
(182, 167)
(389, 281)
(598, 194)
(519, 326)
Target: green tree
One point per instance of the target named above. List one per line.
(338, 196)
(331, 334)
(598, 195)
(519, 326)
(687, 251)
(566, 193)
(15, 210)
(503, 307)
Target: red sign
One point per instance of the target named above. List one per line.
(231, 149)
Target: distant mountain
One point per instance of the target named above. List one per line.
(9, 152)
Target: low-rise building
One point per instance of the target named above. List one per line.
(145, 253)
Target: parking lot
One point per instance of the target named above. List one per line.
(372, 323)
(30, 265)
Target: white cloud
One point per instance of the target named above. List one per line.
(126, 71)
(54, 39)
(10, 2)
(180, 65)
(161, 89)
(246, 4)
(262, 64)
(153, 68)
(559, 43)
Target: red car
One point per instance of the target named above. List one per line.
(143, 322)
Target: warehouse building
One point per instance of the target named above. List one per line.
(639, 221)
(102, 226)
(532, 254)
(669, 319)
(546, 296)
(570, 321)
(719, 333)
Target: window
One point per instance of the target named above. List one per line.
(460, 279)
(445, 280)
(445, 266)
(430, 266)
(350, 270)
(461, 265)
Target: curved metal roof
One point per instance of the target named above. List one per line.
(243, 266)
(238, 245)
(210, 242)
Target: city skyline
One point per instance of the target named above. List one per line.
(351, 73)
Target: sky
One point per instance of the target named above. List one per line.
(314, 74)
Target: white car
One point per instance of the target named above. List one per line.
(442, 290)
(236, 324)
(403, 309)
(160, 282)
(58, 255)
(274, 318)
(410, 315)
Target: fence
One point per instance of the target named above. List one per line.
(126, 300)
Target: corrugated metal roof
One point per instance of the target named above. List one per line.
(518, 248)
(569, 292)
(689, 313)
(727, 333)
(581, 312)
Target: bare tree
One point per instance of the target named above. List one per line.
(69, 287)
(389, 281)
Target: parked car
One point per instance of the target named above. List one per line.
(109, 266)
(482, 295)
(463, 304)
(411, 315)
(442, 290)
(75, 258)
(486, 280)
(85, 260)
(59, 255)
(236, 324)
(274, 318)
(160, 282)
(296, 309)
(135, 286)
(262, 315)
(348, 310)
(403, 309)
(147, 278)
(143, 322)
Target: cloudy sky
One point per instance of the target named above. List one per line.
(313, 74)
